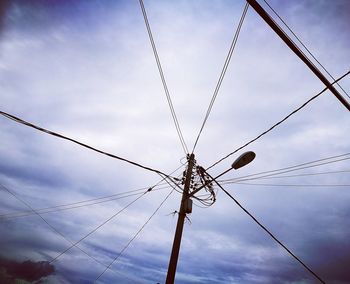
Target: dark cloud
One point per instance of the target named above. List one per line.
(3, 13)
(39, 15)
(26, 270)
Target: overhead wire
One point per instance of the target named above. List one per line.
(89, 202)
(307, 49)
(75, 244)
(297, 50)
(52, 227)
(306, 174)
(96, 228)
(292, 185)
(278, 123)
(21, 121)
(223, 72)
(302, 166)
(269, 233)
(114, 215)
(134, 237)
(75, 205)
(161, 73)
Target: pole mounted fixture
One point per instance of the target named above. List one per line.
(267, 18)
(186, 202)
(243, 160)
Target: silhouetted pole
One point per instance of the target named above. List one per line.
(180, 223)
(263, 14)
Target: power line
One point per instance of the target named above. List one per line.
(134, 237)
(288, 41)
(292, 185)
(298, 39)
(223, 72)
(114, 215)
(65, 207)
(52, 227)
(166, 90)
(307, 174)
(268, 232)
(96, 228)
(278, 123)
(21, 121)
(92, 201)
(285, 170)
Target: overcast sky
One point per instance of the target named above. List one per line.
(86, 69)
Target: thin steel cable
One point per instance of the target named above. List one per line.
(299, 40)
(134, 237)
(307, 174)
(278, 123)
(295, 45)
(277, 172)
(223, 72)
(41, 211)
(96, 228)
(292, 185)
(161, 73)
(53, 228)
(21, 121)
(269, 233)
(89, 202)
(164, 178)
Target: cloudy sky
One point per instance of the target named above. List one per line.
(86, 69)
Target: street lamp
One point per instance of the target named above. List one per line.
(243, 160)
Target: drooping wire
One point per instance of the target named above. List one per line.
(96, 228)
(268, 232)
(277, 124)
(164, 178)
(53, 228)
(161, 73)
(291, 185)
(134, 237)
(21, 121)
(306, 174)
(92, 201)
(302, 166)
(308, 50)
(223, 72)
(75, 205)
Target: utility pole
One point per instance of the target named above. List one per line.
(185, 208)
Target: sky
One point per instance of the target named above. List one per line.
(86, 69)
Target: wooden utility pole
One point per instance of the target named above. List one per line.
(185, 208)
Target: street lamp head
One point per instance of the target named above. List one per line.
(243, 160)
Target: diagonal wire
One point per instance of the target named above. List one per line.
(59, 209)
(134, 237)
(278, 123)
(52, 227)
(269, 233)
(96, 228)
(21, 121)
(299, 40)
(161, 73)
(88, 202)
(223, 72)
(292, 185)
(164, 178)
(306, 174)
(108, 197)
